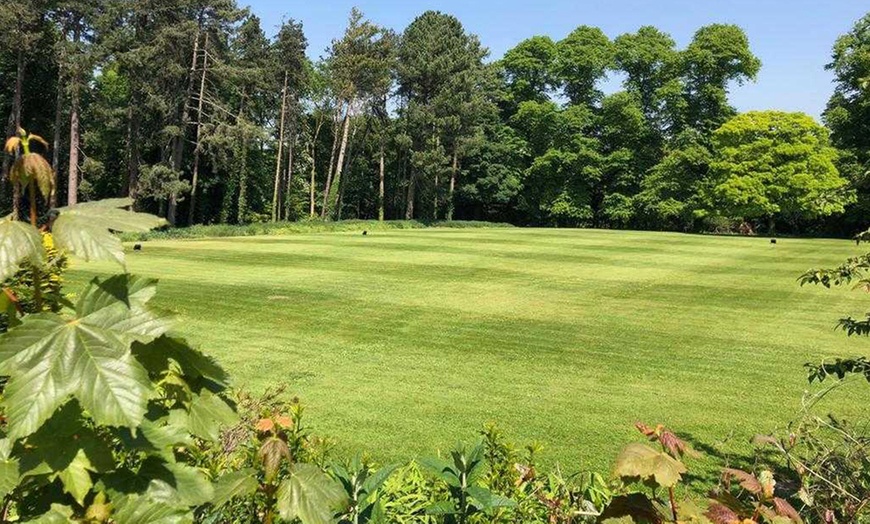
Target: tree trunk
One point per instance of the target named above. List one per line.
(347, 164)
(198, 147)
(453, 173)
(381, 184)
(336, 131)
(133, 148)
(339, 164)
(72, 194)
(14, 123)
(289, 179)
(435, 199)
(311, 210)
(243, 181)
(412, 183)
(55, 143)
(280, 151)
(178, 145)
(241, 178)
(73, 178)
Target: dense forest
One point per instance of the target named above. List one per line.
(194, 111)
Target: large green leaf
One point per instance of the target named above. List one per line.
(146, 509)
(310, 495)
(19, 242)
(49, 359)
(640, 462)
(209, 414)
(84, 229)
(120, 304)
(76, 478)
(191, 485)
(160, 437)
(9, 476)
(109, 214)
(58, 514)
(240, 483)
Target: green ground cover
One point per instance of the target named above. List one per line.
(404, 341)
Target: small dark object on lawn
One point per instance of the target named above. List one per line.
(137, 247)
(365, 233)
(773, 241)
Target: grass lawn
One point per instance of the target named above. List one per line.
(403, 342)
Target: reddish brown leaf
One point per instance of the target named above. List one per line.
(264, 425)
(747, 480)
(643, 428)
(719, 514)
(271, 453)
(675, 446)
(784, 509)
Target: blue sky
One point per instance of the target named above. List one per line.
(793, 38)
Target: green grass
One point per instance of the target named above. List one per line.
(405, 341)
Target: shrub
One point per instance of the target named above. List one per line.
(102, 403)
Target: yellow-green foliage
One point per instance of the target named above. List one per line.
(50, 283)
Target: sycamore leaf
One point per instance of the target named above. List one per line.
(58, 514)
(639, 461)
(120, 304)
(87, 240)
(721, 514)
(271, 453)
(84, 229)
(784, 509)
(192, 487)
(144, 509)
(240, 483)
(62, 440)
(310, 495)
(108, 214)
(9, 476)
(748, 481)
(208, 415)
(160, 437)
(19, 242)
(49, 359)
(76, 478)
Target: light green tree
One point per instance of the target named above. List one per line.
(776, 166)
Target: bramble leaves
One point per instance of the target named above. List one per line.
(309, 495)
(19, 242)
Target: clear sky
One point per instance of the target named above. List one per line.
(793, 38)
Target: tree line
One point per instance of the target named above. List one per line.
(190, 108)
